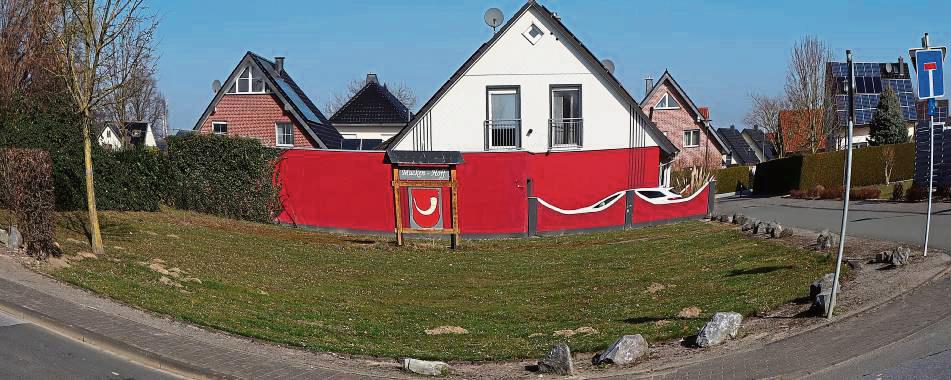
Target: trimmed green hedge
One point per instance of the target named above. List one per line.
(827, 169)
(130, 180)
(733, 179)
(221, 175)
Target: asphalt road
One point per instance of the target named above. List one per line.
(899, 222)
(30, 352)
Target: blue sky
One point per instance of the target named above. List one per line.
(718, 51)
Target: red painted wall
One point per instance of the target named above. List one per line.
(648, 212)
(353, 190)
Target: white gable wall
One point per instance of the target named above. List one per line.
(456, 121)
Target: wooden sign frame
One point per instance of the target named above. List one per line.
(452, 183)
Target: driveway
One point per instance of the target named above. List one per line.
(899, 222)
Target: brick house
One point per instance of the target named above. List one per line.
(260, 100)
(686, 125)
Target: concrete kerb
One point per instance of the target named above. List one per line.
(110, 345)
(664, 369)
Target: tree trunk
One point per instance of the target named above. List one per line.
(90, 187)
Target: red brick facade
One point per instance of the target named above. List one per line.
(256, 116)
(673, 123)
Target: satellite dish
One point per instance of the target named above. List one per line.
(608, 65)
(216, 86)
(494, 18)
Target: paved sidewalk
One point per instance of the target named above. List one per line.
(833, 350)
(172, 348)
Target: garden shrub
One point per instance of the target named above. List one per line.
(898, 191)
(26, 188)
(226, 176)
(832, 193)
(865, 193)
(916, 193)
(130, 179)
(733, 179)
(778, 176)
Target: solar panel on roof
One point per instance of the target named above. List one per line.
(298, 102)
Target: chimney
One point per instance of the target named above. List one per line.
(733, 127)
(705, 113)
(371, 78)
(648, 85)
(901, 66)
(279, 65)
(755, 127)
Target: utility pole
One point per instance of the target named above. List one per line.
(848, 183)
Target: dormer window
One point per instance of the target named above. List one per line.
(667, 102)
(250, 81)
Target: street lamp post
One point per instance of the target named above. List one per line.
(848, 184)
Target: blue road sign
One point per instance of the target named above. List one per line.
(930, 68)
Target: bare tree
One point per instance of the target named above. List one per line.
(27, 53)
(764, 112)
(805, 90)
(401, 91)
(103, 44)
(888, 161)
(139, 101)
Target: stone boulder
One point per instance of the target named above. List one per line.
(624, 350)
(4, 237)
(750, 225)
(558, 361)
(776, 231)
(760, 227)
(720, 327)
(825, 240)
(820, 292)
(426, 368)
(900, 256)
(15, 240)
(739, 219)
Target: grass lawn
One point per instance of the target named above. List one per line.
(366, 296)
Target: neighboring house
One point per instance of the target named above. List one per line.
(132, 134)
(942, 145)
(260, 100)
(372, 116)
(533, 87)
(748, 147)
(870, 79)
(797, 135)
(686, 125)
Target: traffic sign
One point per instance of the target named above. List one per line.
(929, 64)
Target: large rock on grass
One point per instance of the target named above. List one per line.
(558, 361)
(820, 292)
(825, 240)
(739, 219)
(721, 326)
(624, 350)
(423, 367)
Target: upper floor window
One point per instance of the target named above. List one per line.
(565, 125)
(285, 134)
(503, 128)
(691, 138)
(219, 128)
(533, 34)
(250, 81)
(667, 102)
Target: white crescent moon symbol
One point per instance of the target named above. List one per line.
(430, 210)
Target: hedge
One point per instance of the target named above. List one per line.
(26, 188)
(733, 179)
(827, 169)
(130, 180)
(221, 175)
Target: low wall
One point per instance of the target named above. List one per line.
(351, 191)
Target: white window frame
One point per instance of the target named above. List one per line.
(691, 132)
(216, 123)
(278, 134)
(666, 104)
(528, 33)
(250, 79)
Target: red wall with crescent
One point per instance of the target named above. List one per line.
(352, 190)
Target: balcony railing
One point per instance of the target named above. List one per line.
(503, 134)
(565, 133)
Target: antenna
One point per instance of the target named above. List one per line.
(494, 18)
(608, 65)
(216, 86)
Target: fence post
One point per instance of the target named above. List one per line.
(532, 208)
(629, 208)
(712, 196)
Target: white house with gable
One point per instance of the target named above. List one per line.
(532, 87)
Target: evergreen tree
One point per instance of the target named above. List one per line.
(888, 126)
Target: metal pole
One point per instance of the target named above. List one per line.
(848, 185)
(931, 111)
